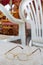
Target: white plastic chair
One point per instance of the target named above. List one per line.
(32, 13)
(21, 23)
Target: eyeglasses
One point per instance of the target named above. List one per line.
(20, 56)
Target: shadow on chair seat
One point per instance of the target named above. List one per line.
(18, 41)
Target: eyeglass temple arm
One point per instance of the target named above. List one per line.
(34, 51)
(13, 48)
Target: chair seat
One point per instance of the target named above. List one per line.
(34, 58)
(38, 39)
(8, 38)
(38, 44)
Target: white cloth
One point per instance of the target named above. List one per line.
(34, 59)
(7, 7)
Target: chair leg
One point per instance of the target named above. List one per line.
(22, 33)
(30, 43)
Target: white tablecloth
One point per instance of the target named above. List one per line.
(34, 59)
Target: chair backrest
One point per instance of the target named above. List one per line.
(9, 16)
(31, 11)
(20, 22)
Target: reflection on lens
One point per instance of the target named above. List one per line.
(22, 57)
(9, 56)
